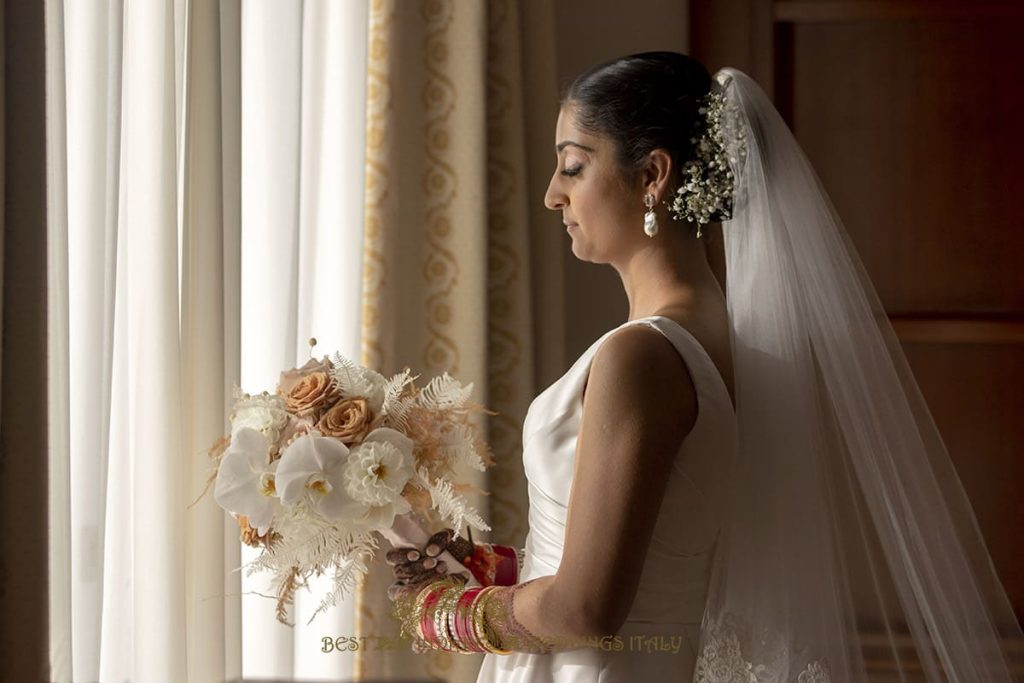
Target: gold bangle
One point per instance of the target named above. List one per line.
(493, 628)
(419, 602)
(476, 619)
(482, 627)
(441, 621)
(450, 607)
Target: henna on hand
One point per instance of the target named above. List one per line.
(414, 568)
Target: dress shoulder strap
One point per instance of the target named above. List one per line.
(707, 379)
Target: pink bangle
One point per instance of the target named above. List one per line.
(463, 629)
(426, 623)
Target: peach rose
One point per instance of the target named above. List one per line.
(348, 420)
(312, 393)
(289, 378)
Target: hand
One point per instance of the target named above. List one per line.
(490, 564)
(414, 568)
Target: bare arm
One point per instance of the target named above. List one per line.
(638, 406)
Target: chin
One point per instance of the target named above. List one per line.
(575, 247)
(583, 256)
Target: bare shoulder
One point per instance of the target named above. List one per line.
(638, 371)
(641, 348)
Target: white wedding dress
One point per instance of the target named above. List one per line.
(659, 639)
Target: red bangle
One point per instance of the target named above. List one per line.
(507, 571)
(426, 624)
(463, 630)
(494, 565)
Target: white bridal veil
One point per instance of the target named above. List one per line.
(851, 552)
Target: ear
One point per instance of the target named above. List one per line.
(657, 171)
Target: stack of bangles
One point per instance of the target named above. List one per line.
(447, 616)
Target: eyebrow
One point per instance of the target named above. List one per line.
(565, 143)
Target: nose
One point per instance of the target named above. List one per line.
(555, 198)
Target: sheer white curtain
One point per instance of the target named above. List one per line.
(303, 87)
(206, 184)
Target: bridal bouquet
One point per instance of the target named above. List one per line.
(337, 454)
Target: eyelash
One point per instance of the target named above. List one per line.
(575, 170)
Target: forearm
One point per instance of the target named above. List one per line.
(544, 616)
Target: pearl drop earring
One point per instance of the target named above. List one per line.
(650, 219)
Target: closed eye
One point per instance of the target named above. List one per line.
(575, 170)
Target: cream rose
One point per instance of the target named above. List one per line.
(263, 415)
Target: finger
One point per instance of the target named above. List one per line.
(395, 591)
(419, 581)
(408, 571)
(413, 569)
(424, 578)
(460, 548)
(401, 555)
(402, 591)
(413, 589)
(438, 542)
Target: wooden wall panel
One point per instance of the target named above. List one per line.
(914, 128)
(974, 393)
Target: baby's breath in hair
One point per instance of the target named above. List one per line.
(706, 192)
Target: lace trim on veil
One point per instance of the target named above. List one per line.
(722, 660)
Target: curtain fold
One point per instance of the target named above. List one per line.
(302, 148)
(461, 261)
(271, 62)
(230, 142)
(209, 334)
(58, 358)
(147, 368)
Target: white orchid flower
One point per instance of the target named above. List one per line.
(246, 480)
(311, 469)
(362, 486)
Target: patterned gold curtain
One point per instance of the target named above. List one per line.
(461, 260)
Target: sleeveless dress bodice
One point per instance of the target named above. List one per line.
(658, 641)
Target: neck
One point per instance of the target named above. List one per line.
(669, 272)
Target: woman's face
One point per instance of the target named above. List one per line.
(598, 204)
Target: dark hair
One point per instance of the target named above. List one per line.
(643, 102)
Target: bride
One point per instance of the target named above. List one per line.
(742, 481)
